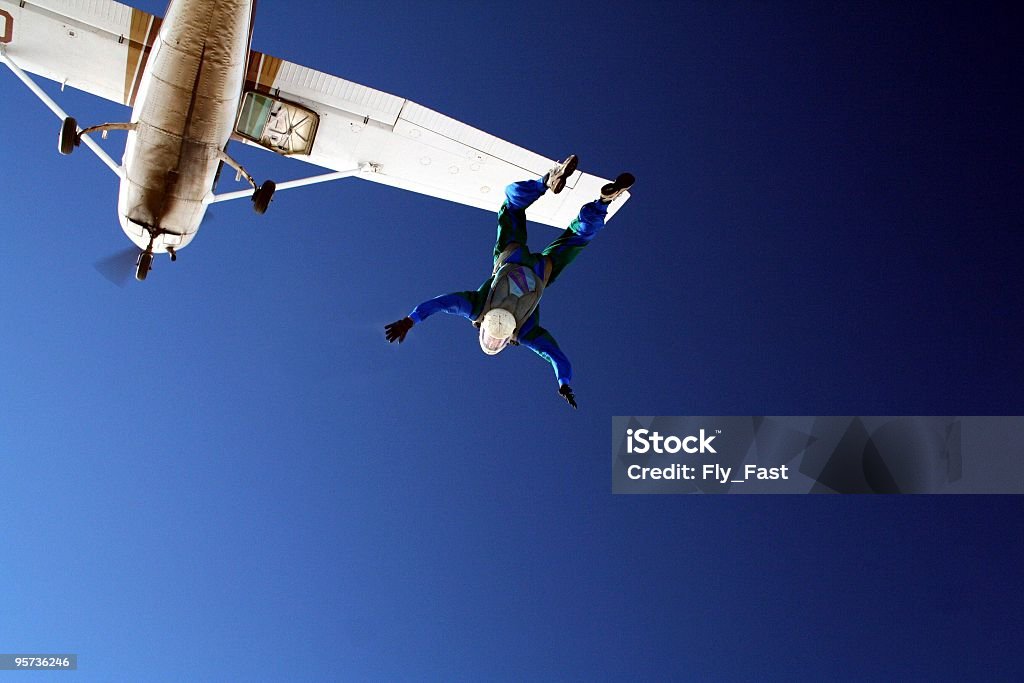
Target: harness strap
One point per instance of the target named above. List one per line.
(501, 267)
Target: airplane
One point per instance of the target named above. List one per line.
(194, 84)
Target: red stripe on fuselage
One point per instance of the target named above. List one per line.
(154, 31)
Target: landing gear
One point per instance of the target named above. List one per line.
(144, 264)
(262, 196)
(68, 138)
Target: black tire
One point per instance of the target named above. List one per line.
(68, 138)
(261, 197)
(144, 265)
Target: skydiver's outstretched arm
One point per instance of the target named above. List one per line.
(466, 304)
(544, 345)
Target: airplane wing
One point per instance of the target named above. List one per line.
(99, 46)
(341, 125)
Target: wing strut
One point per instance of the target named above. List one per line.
(288, 184)
(55, 108)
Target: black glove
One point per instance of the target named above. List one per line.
(566, 392)
(397, 330)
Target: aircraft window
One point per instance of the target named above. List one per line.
(281, 126)
(255, 112)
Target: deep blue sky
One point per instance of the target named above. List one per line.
(226, 473)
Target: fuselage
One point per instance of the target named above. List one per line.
(185, 109)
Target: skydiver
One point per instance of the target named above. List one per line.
(505, 307)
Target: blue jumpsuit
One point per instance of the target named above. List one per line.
(560, 253)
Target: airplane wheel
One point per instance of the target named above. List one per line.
(144, 265)
(68, 139)
(261, 197)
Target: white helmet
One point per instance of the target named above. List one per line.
(495, 330)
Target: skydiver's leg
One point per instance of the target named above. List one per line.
(579, 234)
(520, 195)
(512, 214)
(581, 231)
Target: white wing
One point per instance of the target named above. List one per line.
(98, 46)
(412, 147)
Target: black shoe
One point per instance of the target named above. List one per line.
(611, 191)
(556, 177)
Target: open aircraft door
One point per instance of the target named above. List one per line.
(280, 126)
